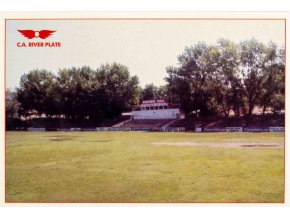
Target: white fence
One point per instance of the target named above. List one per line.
(276, 129)
(244, 129)
(256, 129)
(234, 129)
(214, 129)
(31, 129)
(169, 129)
(75, 129)
(198, 129)
(153, 129)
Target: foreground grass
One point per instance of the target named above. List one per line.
(125, 167)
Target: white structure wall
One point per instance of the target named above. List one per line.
(155, 114)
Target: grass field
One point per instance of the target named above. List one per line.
(143, 167)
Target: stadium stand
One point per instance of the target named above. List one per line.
(152, 114)
(190, 123)
(146, 123)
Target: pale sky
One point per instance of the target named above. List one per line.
(145, 47)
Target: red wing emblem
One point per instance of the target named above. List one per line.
(30, 34)
(45, 33)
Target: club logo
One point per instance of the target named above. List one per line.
(35, 34)
(30, 34)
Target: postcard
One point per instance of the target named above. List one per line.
(144, 108)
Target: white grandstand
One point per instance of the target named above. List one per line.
(156, 109)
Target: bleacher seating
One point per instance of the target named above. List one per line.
(146, 123)
(172, 113)
(190, 123)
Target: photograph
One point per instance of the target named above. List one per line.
(145, 109)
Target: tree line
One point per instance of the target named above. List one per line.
(209, 79)
(78, 93)
(215, 79)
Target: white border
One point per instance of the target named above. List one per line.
(137, 210)
(145, 5)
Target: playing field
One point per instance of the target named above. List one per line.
(144, 167)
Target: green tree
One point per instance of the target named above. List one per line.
(252, 67)
(227, 83)
(118, 90)
(150, 91)
(11, 104)
(216, 79)
(162, 92)
(76, 88)
(36, 93)
(191, 83)
(273, 85)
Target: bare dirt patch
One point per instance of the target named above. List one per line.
(219, 144)
(101, 141)
(61, 138)
(260, 146)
